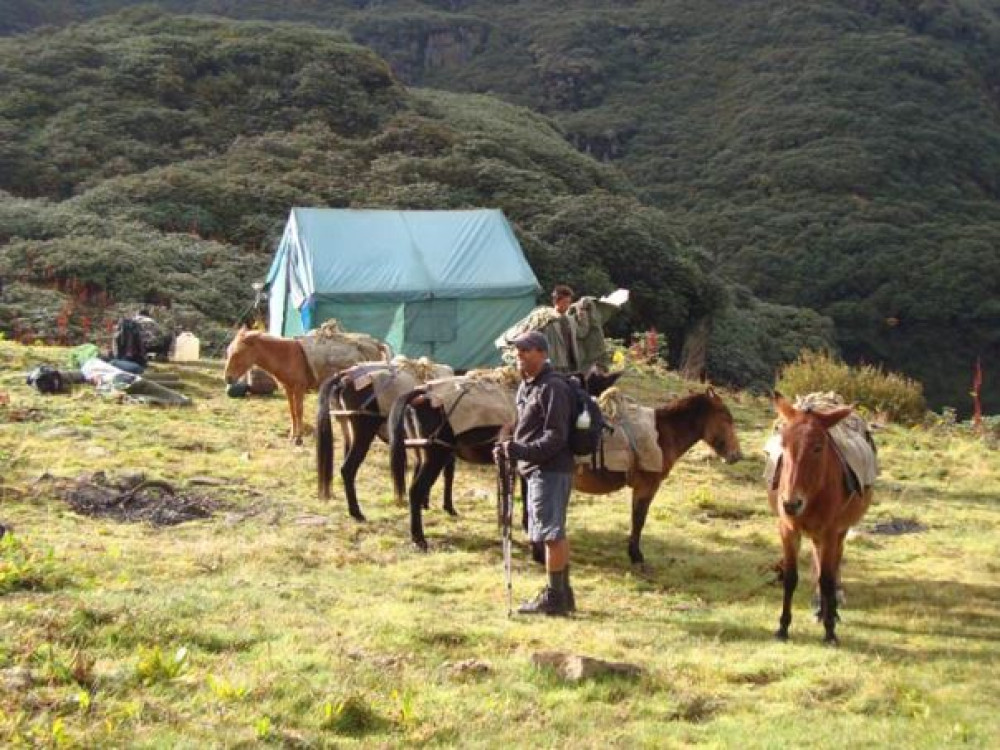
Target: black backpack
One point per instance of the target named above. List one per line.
(585, 441)
(128, 342)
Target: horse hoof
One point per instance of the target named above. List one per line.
(451, 511)
(831, 641)
(636, 557)
(781, 635)
(357, 515)
(297, 441)
(420, 545)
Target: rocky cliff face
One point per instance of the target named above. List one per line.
(415, 48)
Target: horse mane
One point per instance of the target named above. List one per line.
(695, 402)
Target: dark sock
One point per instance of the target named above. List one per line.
(557, 580)
(565, 576)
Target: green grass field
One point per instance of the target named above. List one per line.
(281, 622)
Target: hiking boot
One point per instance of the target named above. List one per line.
(548, 602)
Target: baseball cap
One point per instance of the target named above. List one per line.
(531, 340)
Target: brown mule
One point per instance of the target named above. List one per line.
(681, 424)
(283, 359)
(812, 499)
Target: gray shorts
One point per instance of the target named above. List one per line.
(548, 499)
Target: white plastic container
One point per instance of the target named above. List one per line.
(186, 347)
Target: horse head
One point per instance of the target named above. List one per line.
(720, 428)
(240, 355)
(596, 381)
(807, 457)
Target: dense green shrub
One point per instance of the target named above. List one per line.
(751, 340)
(887, 394)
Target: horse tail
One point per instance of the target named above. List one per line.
(397, 444)
(324, 436)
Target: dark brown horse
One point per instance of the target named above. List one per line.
(813, 499)
(285, 360)
(415, 417)
(679, 425)
(361, 420)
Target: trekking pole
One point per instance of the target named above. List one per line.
(505, 517)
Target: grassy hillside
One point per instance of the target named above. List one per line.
(279, 621)
(153, 159)
(836, 154)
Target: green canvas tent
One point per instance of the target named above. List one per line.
(441, 284)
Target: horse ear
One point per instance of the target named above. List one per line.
(830, 418)
(784, 408)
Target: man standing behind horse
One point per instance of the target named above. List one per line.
(540, 445)
(566, 357)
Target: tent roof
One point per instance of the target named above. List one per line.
(371, 253)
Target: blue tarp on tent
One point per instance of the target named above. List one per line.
(441, 284)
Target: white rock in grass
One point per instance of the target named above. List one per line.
(16, 679)
(575, 668)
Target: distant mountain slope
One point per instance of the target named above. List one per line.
(153, 159)
(840, 154)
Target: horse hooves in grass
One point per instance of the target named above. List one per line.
(357, 515)
(636, 556)
(781, 635)
(832, 641)
(420, 545)
(450, 510)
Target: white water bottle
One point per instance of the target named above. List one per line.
(583, 420)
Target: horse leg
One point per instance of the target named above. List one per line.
(641, 499)
(790, 541)
(298, 406)
(420, 489)
(817, 597)
(449, 481)
(364, 430)
(417, 466)
(293, 433)
(828, 556)
(841, 597)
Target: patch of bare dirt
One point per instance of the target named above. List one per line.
(133, 499)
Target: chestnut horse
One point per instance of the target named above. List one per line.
(813, 499)
(283, 359)
(473, 446)
(679, 425)
(361, 421)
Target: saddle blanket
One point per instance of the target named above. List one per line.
(331, 353)
(391, 380)
(851, 436)
(633, 443)
(473, 402)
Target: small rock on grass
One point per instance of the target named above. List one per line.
(576, 668)
(466, 668)
(16, 679)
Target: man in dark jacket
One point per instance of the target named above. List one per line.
(540, 445)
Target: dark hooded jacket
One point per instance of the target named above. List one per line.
(544, 411)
